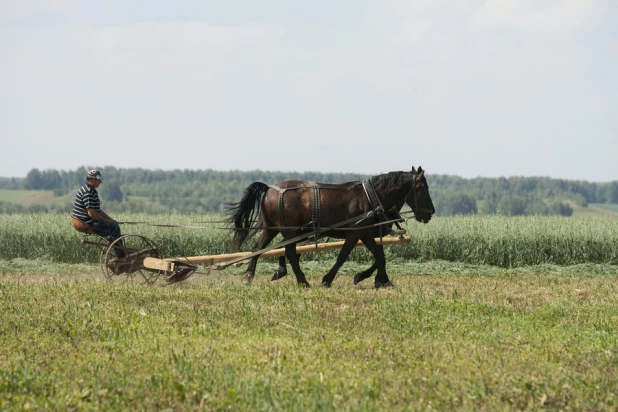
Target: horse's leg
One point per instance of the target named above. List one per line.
(378, 253)
(347, 247)
(265, 238)
(281, 271)
(359, 277)
(290, 253)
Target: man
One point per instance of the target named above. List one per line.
(87, 208)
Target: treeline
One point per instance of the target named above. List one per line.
(517, 196)
(198, 191)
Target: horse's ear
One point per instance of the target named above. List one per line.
(413, 169)
(420, 169)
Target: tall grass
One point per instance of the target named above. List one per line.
(490, 240)
(51, 237)
(515, 241)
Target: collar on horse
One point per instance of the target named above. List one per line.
(374, 201)
(377, 208)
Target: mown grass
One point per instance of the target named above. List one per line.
(486, 240)
(453, 336)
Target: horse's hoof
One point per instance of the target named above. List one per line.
(326, 284)
(277, 275)
(388, 284)
(357, 279)
(247, 278)
(306, 285)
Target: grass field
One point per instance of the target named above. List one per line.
(46, 197)
(481, 318)
(28, 198)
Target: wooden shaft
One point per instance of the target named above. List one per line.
(281, 252)
(167, 264)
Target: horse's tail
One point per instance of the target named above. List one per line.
(243, 213)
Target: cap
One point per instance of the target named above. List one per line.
(94, 174)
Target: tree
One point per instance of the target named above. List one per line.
(612, 193)
(560, 208)
(511, 206)
(111, 192)
(34, 180)
(489, 205)
(50, 179)
(12, 185)
(536, 207)
(456, 204)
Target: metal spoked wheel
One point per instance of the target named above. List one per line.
(99, 241)
(130, 269)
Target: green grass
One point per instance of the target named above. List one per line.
(46, 197)
(35, 197)
(454, 336)
(25, 197)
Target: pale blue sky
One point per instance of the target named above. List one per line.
(471, 88)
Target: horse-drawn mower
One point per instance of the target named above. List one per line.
(144, 261)
(302, 212)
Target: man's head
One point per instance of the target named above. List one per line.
(94, 178)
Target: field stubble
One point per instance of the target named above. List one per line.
(449, 336)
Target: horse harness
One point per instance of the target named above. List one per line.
(316, 212)
(377, 208)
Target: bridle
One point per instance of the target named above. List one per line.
(413, 189)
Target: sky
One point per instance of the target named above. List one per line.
(470, 88)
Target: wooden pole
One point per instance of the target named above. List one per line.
(167, 264)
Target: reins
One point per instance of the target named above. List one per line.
(289, 228)
(314, 224)
(165, 225)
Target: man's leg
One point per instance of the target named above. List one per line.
(110, 230)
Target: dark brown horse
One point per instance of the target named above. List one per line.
(294, 208)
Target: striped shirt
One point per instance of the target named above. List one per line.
(86, 198)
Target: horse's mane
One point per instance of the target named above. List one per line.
(391, 180)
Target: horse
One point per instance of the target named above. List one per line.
(351, 211)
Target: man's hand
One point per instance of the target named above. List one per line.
(105, 215)
(94, 215)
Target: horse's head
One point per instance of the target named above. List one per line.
(418, 199)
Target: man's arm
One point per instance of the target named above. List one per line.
(94, 215)
(105, 215)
